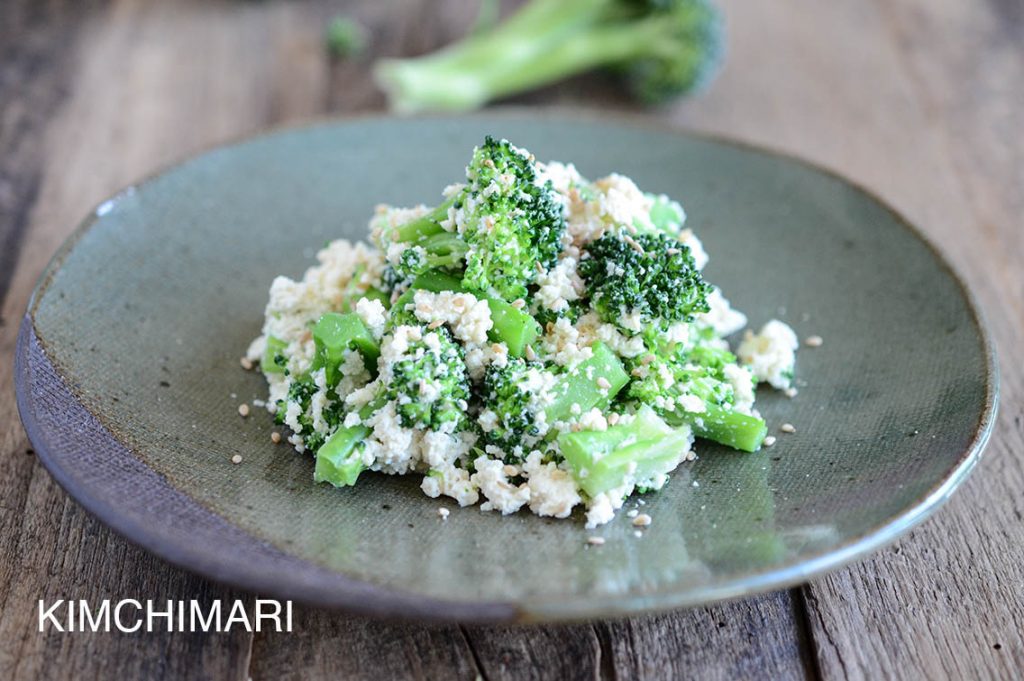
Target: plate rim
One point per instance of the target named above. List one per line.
(392, 601)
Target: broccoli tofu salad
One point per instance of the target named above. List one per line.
(536, 341)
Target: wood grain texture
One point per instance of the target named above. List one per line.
(921, 101)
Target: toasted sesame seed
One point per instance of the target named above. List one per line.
(275, 437)
(530, 354)
(633, 244)
(673, 251)
(443, 512)
(769, 441)
(603, 383)
(518, 303)
(246, 363)
(237, 458)
(243, 409)
(634, 513)
(638, 534)
(647, 359)
(436, 323)
(813, 341)
(498, 348)
(540, 268)
(642, 520)
(790, 392)
(691, 455)
(787, 428)
(595, 541)
(510, 470)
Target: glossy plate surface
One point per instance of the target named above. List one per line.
(128, 368)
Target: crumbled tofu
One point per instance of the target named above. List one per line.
(770, 354)
(501, 495)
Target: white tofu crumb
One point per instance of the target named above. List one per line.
(637, 533)
(443, 512)
(373, 314)
(770, 353)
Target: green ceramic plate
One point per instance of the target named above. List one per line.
(129, 380)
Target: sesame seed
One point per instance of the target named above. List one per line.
(237, 458)
(647, 359)
(642, 520)
(243, 409)
(443, 512)
(603, 383)
(790, 392)
(691, 455)
(673, 251)
(510, 470)
(634, 513)
(518, 303)
(275, 437)
(613, 418)
(498, 349)
(638, 534)
(436, 323)
(633, 244)
(540, 268)
(787, 428)
(595, 541)
(530, 354)
(813, 341)
(246, 363)
(769, 441)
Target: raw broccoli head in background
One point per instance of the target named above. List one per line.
(506, 393)
(663, 48)
(649, 274)
(510, 222)
(429, 383)
(683, 48)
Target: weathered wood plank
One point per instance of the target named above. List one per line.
(919, 102)
(754, 638)
(331, 646)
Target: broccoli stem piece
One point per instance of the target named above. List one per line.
(724, 426)
(637, 452)
(511, 325)
(425, 225)
(269, 362)
(338, 461)
(581, 385)
(333, 335)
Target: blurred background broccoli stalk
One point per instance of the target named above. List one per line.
(661, 48)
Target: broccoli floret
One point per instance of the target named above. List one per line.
(429, 383)
(507, 393)
(663, 48)
(526, 399)
(651, 275)
(507, 224)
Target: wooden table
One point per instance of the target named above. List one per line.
(920, 100)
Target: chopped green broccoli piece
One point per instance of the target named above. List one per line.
(639, 452)
(652, 275)
(274, 360)
(333, 335)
